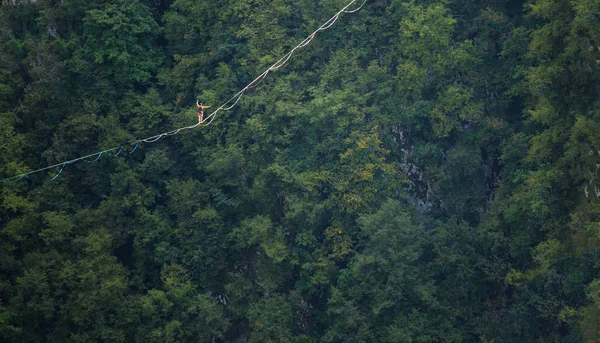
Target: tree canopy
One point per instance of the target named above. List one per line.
(423, 171)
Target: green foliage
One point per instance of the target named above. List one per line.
(385, 286)
(420, 172)
(271, 320)
(120, 36)
(179, 313)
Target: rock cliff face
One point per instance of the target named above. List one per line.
(428, 191)
(419, 190)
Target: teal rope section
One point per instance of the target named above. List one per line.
(19, 179)
(55, 176)
(117, 154)
(136, 146)
(97, 158)
(63, 164)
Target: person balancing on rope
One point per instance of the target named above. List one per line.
(200, 110)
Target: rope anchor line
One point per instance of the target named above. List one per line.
(62, 165)
(211, 117)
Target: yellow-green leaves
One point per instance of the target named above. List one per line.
(427, 29)
(260, 231)
(364, 172)
(455, 107)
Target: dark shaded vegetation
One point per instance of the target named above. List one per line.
(424, 171)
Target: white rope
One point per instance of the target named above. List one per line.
(235, 103)
(281, 62)
(209, 119)
(257, 83)
(358, 9)
(308, 40)
(175, 132)
(153, 139)
(327, 24)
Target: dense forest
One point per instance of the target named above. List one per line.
(422, 171)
